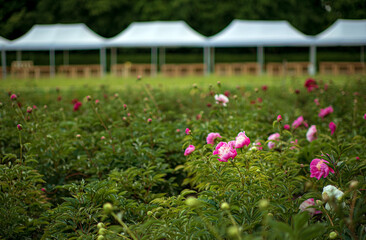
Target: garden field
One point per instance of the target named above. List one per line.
(183, 158)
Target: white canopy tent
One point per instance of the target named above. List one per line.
(154, 35)
(60, 37)
(3, 43)
(253, 33)
(344, 32)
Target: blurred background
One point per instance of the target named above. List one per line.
(109, 17)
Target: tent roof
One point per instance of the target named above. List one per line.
(58, 37)
(249, 33)
(158, 34)
(343, 33)
(3, 42)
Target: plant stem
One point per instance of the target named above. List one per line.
(241, 175)
(124, 226)
(21, 147)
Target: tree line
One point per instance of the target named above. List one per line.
(109, 17)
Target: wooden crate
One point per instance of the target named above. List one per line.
(79, 71)
(342, 68)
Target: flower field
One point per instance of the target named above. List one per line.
(208, 161)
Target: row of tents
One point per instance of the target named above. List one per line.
(165, 34)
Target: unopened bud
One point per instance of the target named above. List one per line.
(333, 235)
(102, 231)
(88, 98)
(319, 202)
(233, 231)
(100, 237)
(149, 213)
(100, 225)
(149, 120)
(225, 206)
(20, 127)
(29, 109)
(263, 204)
(192, 202)
(108, 208)
(353, 184)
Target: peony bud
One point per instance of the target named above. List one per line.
(225, 206)
(108, 208)
(279, 118)
(192, 202)
(29, 109)
(20, 127)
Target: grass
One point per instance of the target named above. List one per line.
(165, 83)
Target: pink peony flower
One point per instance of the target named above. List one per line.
(273, 137)
(310, 84)
(97, 101)
(189, 150)
(211, 138)
(364, 116)
(188, 131)
(332, 127)
(297, 123)
(149, 120)
(316, 101)
(287, 127)
(13, 97)
(241, 140)
(225, 151)
(124, 106)
(221, 99)
(319, 169)
(178, 130)
(279, 118)
(43, 189)
(311, 134)
(357, 158)
(306, 206)
(326, 111)
(77, 105)
(264, 88)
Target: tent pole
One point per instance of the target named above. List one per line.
(19, 55)
(260, 58)
(3, 63)
(206, 60)
(162, 57)
(113, 58)
(312, 66)
(362, 54)
(154, 61)
(66, 57)
(52, 63)
(102, 62)
(212, 70)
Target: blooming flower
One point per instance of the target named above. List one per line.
(221, 99)
(189, 150)
(297, 123)
(273, 137)
(225, 151)
(319, 168)
(241, 140)
(311, 134)
(77, 105)
(330, 192)
(306, 206)
(287, 127)
(326, 111)
(211, 137)
(310, 84)
(188, 131)
(332, 127)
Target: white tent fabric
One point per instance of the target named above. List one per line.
(3, 43)
(58, 37)
(253, 33)
(343, 33)
(158, 34)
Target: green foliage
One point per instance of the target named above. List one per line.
(55, 180)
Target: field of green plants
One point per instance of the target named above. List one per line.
(183, 159)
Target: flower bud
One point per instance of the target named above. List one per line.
(225, 206)
(319, 202)
(100, 225)
(102, 138)
(233, 231)
(96, 101)
(263, 204)
(108, 208)
(124, 106)
(333, 235)
(149, 120)
(20, 127)
(100, 237)
(29, 109)
(13, 97)
(219, 83)
(88, 98)
(353, 184)
(149, 213)
(78, 135)
(192, 202)
(279, 118)
(116, 95)
(102, 231)
(194, 85)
